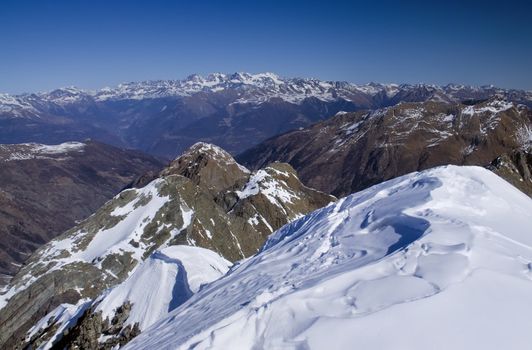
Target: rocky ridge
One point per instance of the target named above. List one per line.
(516, 168)
(203, 199)
(353, 151)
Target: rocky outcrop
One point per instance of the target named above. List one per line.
(202, 199)
(516, 168)
(209, 167)
(91, 332)
(46, 190)
(353, 151)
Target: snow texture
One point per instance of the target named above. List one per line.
(163, 282)
(439, 259)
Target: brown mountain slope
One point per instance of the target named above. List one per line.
(352, 151)
(45, 190)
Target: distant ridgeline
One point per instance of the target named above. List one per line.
(234, 111)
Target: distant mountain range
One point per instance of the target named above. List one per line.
(235, 111)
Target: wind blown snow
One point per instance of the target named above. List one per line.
(439, 259)
(163, 282)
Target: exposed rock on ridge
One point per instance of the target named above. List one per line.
(231, 216)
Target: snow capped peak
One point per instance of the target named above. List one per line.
(253, 88)
(195, 78)
(71, 90)
(241, 76)
(447, 241)
(64, 95)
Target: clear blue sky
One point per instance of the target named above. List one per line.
(92, 44)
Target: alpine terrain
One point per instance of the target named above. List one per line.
(439, 259)
(235, 111)
(352, 151)
(375, 193)
(46, 189)
(148, 250)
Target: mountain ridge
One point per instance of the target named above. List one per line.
(354, 150)
(235, 111)
(273, 84)
(447, 241)
(202, 199)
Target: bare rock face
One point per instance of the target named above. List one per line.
(209, 167)
(353, 151)
(47, 189)
(516, 168)
(204, 199)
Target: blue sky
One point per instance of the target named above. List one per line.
(92, 44)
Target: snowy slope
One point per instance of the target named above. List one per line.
(163, 282)
(156, 287)
(438, 259)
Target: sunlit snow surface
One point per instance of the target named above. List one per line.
(156, 287)
(439, 259)
(163, 282)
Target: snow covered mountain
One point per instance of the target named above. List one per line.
(235, 111)
(256, 88)
(202, 199)
(439, 259)
(157, 286)
(352, 151)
